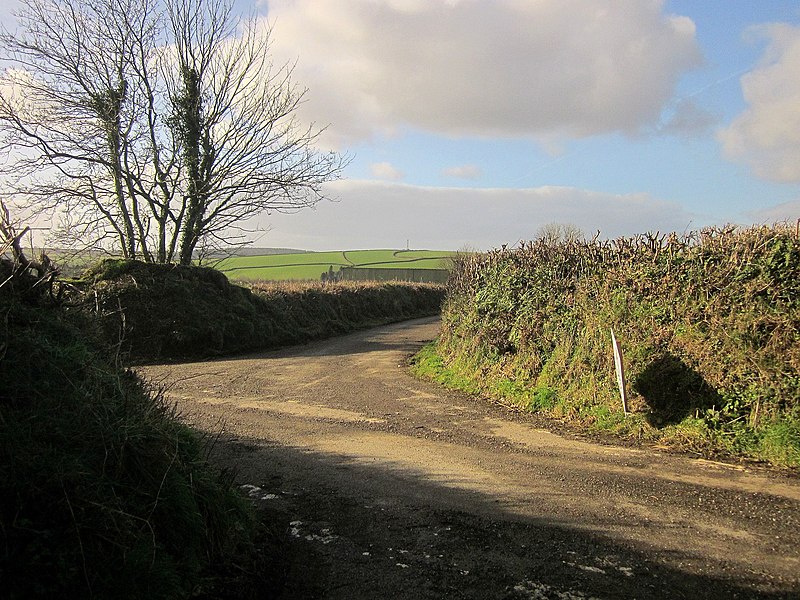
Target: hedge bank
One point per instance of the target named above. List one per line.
(103, 492)
(171, 312)
(709, 326)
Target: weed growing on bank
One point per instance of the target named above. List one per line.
(709, 325)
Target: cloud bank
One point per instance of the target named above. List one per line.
(766, 136)
(510, 68)
(785, 212)
(385, 170)
(463, 172)
(372, 214)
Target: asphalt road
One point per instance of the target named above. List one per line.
(395, 488)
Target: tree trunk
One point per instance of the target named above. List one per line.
(108, 104)
(190, 115)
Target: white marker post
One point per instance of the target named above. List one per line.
(620, 372)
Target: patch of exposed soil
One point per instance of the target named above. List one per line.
(389, 487)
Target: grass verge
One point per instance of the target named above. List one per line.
(777, 443)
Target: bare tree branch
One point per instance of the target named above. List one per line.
(159, 124)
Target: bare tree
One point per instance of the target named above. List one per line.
(156, 125)
(553, 233)
(70, 116)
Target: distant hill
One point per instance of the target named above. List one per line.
(72, 264)
(253, 251)
(93, 255)
(311, 265)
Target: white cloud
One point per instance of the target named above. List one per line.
(13, 83)
(385, 170)
(788, 211)
(463, 172)
(372, 214)
(766, 136)
(511, 68)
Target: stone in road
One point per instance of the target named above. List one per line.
(395, 488)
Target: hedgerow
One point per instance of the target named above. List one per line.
(709, 324)
(103, 492)
(167, 312)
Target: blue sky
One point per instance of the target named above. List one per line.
(472, 123)
(598, 170)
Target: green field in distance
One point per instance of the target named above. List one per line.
(310, 265)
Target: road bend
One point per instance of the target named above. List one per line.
(391, 487)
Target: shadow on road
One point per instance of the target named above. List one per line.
(383, 531)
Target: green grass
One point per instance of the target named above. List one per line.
(429, 364)
(310, 265)
(458, 375)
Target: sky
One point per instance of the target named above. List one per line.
(473, 123)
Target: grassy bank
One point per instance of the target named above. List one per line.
(103, 492)
(165, 312)
(709, 326)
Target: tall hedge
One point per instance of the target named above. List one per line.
(157, 312)
(103, 492)
(709, 324)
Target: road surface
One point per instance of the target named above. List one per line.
(396, 488)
